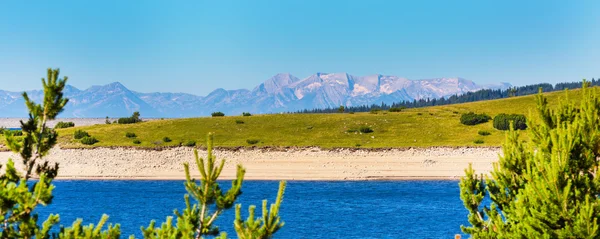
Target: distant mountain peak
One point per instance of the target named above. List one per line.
(116, 85)
(69, 89)
(276, 83)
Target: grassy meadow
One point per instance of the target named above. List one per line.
(422, 127)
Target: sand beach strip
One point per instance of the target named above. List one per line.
(267, 164)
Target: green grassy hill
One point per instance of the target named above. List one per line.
(423, 127)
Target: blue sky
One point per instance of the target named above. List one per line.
(198, 46)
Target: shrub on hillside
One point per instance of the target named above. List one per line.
(375, 111)
(135, 118)
(217, 114)
(62, 125)
(167, 139)
(478, 141)
(396, 109)
(137, 141)
(78, 134)
(503, 121)
(252, 141)
(474, 119)
(130, 135)
(190, 143)
(246, 114)
(88, 140)
(365, 129)
(484, 132)
(239, 121)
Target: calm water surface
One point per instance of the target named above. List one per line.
(380, 209)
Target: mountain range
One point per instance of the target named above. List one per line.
(280, 93)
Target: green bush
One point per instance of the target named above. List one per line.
(419, 113)
(375, 111)
(352, 130)
(502, 121)
(484, 132)
(88, 140)
(478, 141)
(396, 109)
(135, 118)
(239, 121)
(130, 135)
(246, 114)
(351, 112)
(62, 125)
(137, 141)
(127, 120)
(190, 143)
(78, 134)
(474, 119)
(365, 129)
(252, 141)
(167, 139)
(217, 114)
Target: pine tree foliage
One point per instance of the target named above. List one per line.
(196, 220)
(546, 187)
(77, 230)
(18, 196)
(38, 139)
(263, 227)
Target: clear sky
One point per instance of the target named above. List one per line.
(198, 46)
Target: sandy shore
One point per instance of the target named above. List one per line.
(293, 164)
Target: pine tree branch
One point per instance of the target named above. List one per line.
(214, 216)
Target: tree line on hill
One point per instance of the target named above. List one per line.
(485, 94)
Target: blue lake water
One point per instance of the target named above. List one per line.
(374, 209)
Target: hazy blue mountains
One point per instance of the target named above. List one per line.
(280, 93)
